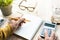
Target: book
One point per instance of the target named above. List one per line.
(30, 28)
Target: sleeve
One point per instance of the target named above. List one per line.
(6, 32)
(1, 34)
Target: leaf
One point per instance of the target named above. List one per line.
(0, 3)
(5, 2)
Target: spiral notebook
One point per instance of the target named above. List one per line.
(30, 28)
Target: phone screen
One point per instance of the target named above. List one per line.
(49, 25)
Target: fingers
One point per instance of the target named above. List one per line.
(52, 37)
(12, 18)
(39, 38)
(21, 21)
(52, 34)
(17, 21)
(46, 35)
(56, 38)
(12, 22)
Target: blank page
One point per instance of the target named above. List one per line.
(28, 29)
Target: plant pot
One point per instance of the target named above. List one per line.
(6, 10)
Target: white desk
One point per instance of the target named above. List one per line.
(36, 36)
(42, 16)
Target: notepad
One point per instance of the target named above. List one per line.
(29, 29)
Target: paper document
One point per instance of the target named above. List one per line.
(28, 29)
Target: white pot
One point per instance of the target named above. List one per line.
(7, 10)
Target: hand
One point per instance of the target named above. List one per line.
(52, 37)
(16, 24)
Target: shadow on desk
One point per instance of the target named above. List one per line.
(15, 37)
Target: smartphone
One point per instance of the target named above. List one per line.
(1, 21)
(49, 26)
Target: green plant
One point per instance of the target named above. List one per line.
(5, 2)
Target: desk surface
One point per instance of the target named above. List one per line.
(37, 34)
(14, 37)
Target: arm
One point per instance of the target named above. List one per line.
(5, 32)
(9, 29)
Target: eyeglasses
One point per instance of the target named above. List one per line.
(30, 9)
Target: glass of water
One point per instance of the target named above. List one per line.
(56, 16)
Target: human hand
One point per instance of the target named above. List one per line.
(16, 23)
(52, 36)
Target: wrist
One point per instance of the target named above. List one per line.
(12, 27)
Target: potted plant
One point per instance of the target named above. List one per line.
(5, 6)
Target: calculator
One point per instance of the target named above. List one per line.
(49, 26)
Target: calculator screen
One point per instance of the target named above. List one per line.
(49, 25)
